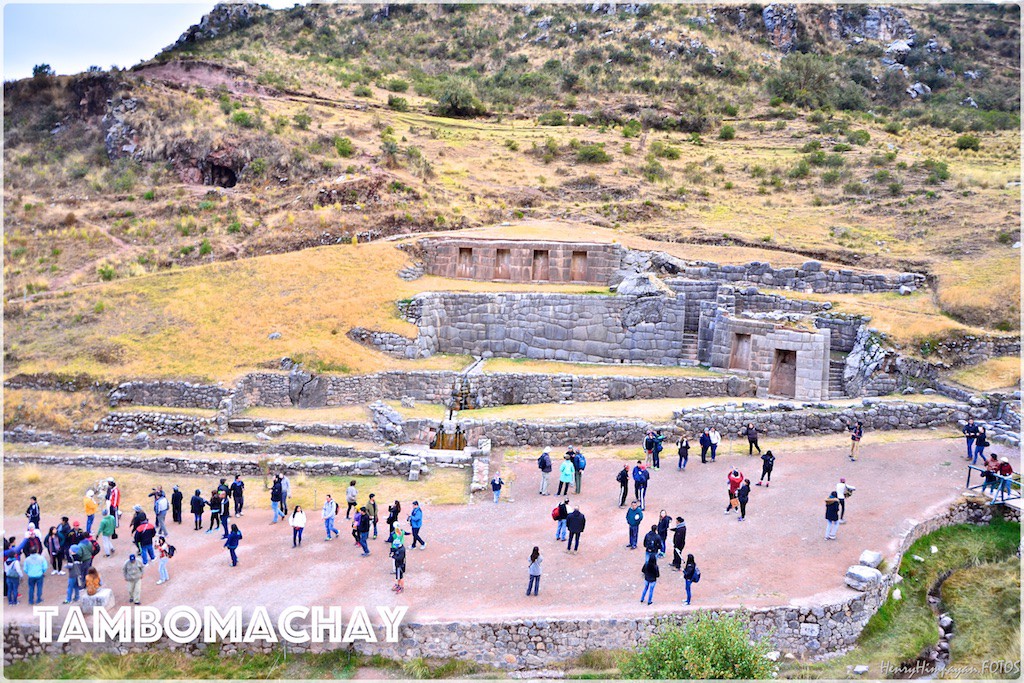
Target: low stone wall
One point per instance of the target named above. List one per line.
(160, 424)
(362, 431)
(169, 393)
(391, 343)
(752, 300)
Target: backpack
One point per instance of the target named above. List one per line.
(554, 514)
(540, 462)
(171, 550)
(696, 574)
(581, 462)
(9, 569)
(95, 547)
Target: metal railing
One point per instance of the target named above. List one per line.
(1004, 488)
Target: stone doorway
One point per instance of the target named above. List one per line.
(783, 378)
(740, 357)
(578, 268)
(503, 265)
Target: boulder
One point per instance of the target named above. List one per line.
(104, 597)
(861, 578)
(642, 284)
(870, 558)
(860, 669)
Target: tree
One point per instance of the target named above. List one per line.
(806, 80)
(42, 71)
(706, 647)
(458, 99)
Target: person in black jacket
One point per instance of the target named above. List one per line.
(398, 554)
(767, 465)
(237, 490)
(575, 523)
(831, 516)
(651, 573)
(544, 463)
(690, 574)
(364, 530)
(393, 512)
(176, 497)
(663, 523)
(137, 518)
(684, 452)
(678, 543)
(743, 495)
(623, 478)
(197, 505)
(225, 511)
(653, 543)
(751, 433)
(705, 444)
(275, 499)
(215, 508)
(32, 512)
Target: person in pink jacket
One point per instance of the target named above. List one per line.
(735, 480)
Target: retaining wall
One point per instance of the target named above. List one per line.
(809, 276)
(160, 424)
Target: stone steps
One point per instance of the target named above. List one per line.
(836, 383)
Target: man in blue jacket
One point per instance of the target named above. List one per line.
(640, 479)
(634, 515)
(416, 522)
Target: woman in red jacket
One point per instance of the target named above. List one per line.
(735, 479)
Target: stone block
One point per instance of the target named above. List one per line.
(861, 578)
(104, 597)
(871, 558)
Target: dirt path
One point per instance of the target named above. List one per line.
(475, 563)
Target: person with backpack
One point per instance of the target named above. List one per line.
(364, 530)
(145, 533)
(176, 499)
(32, 512)
(275, 499)
(160, 508)
(634, 515)
(35, 571)
(623, 478)
(856, 434)
(496, 483)
(91, 506)
(767, 465)
(566, 475)
(659, 446)
(397, 553)
(298, 525)
(84, 550)
(683, 449)
(641, 476)
(751, 433)
(535, 562)
(328, 513)
(648, 447)
(12, 574)
(416, 523)
(393, 512)
(75, 577)
(165, 552)
(544, 464)
(352, 498)
(651, 573)
(653, 543)
(705, 444)
(53, 546)
(579, 463)
(575, 523)
(831, 516)
(197, 505)
(232, 544)
(691, 574)
(132, 571)
(843, 491)
(742, 496)
(561, 515)
(735, 480)
(678, 543)
(237, 491)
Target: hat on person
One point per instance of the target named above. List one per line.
(75, 524)
(547, 449)
(175, 487)
(31, 526)
(415, 502)
(90, 493)
(1004, 459)
(138, 508)
(842, 480)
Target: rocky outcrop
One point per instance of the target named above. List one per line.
(223, 18)
(781, 25)
(873, 23)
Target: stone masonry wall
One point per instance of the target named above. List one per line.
(169, 393)
(160, 424)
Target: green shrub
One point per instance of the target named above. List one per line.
(801, 170)
(631, 128)
(726, 133)
(654, 171)
(893, 127)
(708, 647)
(882, 176)
(149, 195)
(457, 98)
(398, 103)
(858, 137)
(580, 119)
(362, 91)
(811, 146)
(853, 187)
(830, 177)
(841, 147)
(553, 118)
(205, 248)
(664, 150)
(344, 147)
(243, 119)
(397, 85)
(106, 271)
(512, 145)
(895, 189)
(592, 154)
(257, 167)
(937, 171)
(730, 110)
(968, 141)
(302, 120)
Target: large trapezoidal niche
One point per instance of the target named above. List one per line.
(783, 378)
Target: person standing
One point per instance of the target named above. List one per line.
(160, 508)
(1002, 483)
(843, 491)
(735, 480)
(132, 571)
(683, 448)
(53, 547)
(328, 513)
(831, 516)
(562, 518)
(767, 465)
(659, 446)
(286, 490)
(106, 533)
(90, 510)
(197, 505)
(576, 523)
(691, 574)
(970, 431)
(534, 583)
(648, 447)
(640, 479)
(215, 508)
(393, 512)
(623, 478)
(743, 495)
(496, 485)
(114, 505)
(678, 543)
(364, 530)
(32, 512)
(351, 498)
(664, 521)
(751, 434)
(35, 571)
(225, 512)
(856, 434)
(75, 576)
(298, 525)
(653, 544)
(634, 515)
(715, 439)
(232, 544)
(544, 464)
(12, 575)
(164, 554)
(237, 491)
(579, 463)
(416, 523)
(371, 507)
(651, 573)
(176, 499)
(705, 445)
(275, 499)
(397, 553)
(566, 475)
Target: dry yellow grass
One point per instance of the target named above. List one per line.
(986, 288)
(996, 373)
(52, 410)
(549, 367)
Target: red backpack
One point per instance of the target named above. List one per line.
(554, 514)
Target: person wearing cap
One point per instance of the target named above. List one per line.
(137, 518)
(843, 491)
(90, 510)
(416, 523)
(176, 499)
(132, 571)
(566, 475)
(579, 463)
(397, 553)
(1003, 483)
(640, 478)
(32, 512)
(544, 464)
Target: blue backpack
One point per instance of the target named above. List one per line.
(581, 462)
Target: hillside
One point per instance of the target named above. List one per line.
(785, 130)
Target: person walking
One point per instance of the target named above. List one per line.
(32, 512)
(197, 505)
(74, 569)
(416, 523)
(705, 446)
(275, 499)
(575, 523)
(664, 521)
(715, 439)
(623, 478)
(106, 531)
(286, 490)
(397, 553)
(544, 465)
(678, 543)
(659, 446)
(651, 573)
(132, 571)
(351, 498)
(496, 485)
(232, 544)
(640, 478)
(566, 475)
(364, 530)
(970, 431)
(215, 508)
(751, 433)
(393, 512)
(691, 574)
(328, 513)
(53, 546)
(164, 554)
(634, 515)
(91, 507)
(856, 434)
(743, 495)
(298, 523)
(980, 444)
(561, 516)
(177, 497)
(371, 507)
(579, 463)
(735, 480)
(145, 533)
(653, 544)
(683, 449)
(843, 491)
(356, 518)
(767, 465)
(534, 583)
(831, 516)
(35, 571)
(12, 575)
(237, 491)
(225, 511)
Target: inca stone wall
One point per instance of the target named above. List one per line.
(169, 393)
(843, 327)
(752, 300)
(159, 424)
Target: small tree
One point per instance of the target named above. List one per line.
(968, 141)
(302, 120)
(42, 71)
(458, 99)
(706, 647)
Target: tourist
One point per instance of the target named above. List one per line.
(683, 448)
(275, 499)
(843, 491)
(12, 574)
(831, 516)
(145, 532)
(232, 544)
(298, 524)
(197, 505)
(223, 487)
(91, 506)
(856, 434)
(664, 520)
(544, 465)
(176, 499)
(35, 571)
(132, 572)
(137, 516)
(705, 445)
(980, 444)
(534, 583)
(398, 538)
(286, 489)
(566, 475)
(356, 518)
(651, 573)
(352, 498)
(648, 447)
(579, 463)
(991, 472)
(215, 509)
(659, 446)
(735, 480)
(715, 439)
(114, 504)
(496, 485)
(64, 533)
(74, 569)
(416, 523)
(371, 507)
(743, 495)
(634, 515)
(1003, 482)
(561, 516)
(767, 464)
(640, 478)
(225, 511)
(653, 544)
(92, 581)
(678, 543)
(623, 478)
(751, 433)
(237, 491)
(970, 431)
(393, 512)
(691, 574)
(160, 507)
(364, 530)
(328, 513)
(32, 512)
(575, 523)
(164, 554)
(106, 532)
(85, 552)
(53, 546)
(398, 555)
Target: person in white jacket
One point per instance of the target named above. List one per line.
(716, 439)
(298, 524)
(329, 512)
(843, 491)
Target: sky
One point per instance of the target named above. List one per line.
(71, 37)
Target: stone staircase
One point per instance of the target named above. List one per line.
(688, 349)
(836, 384)
(565, 389)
